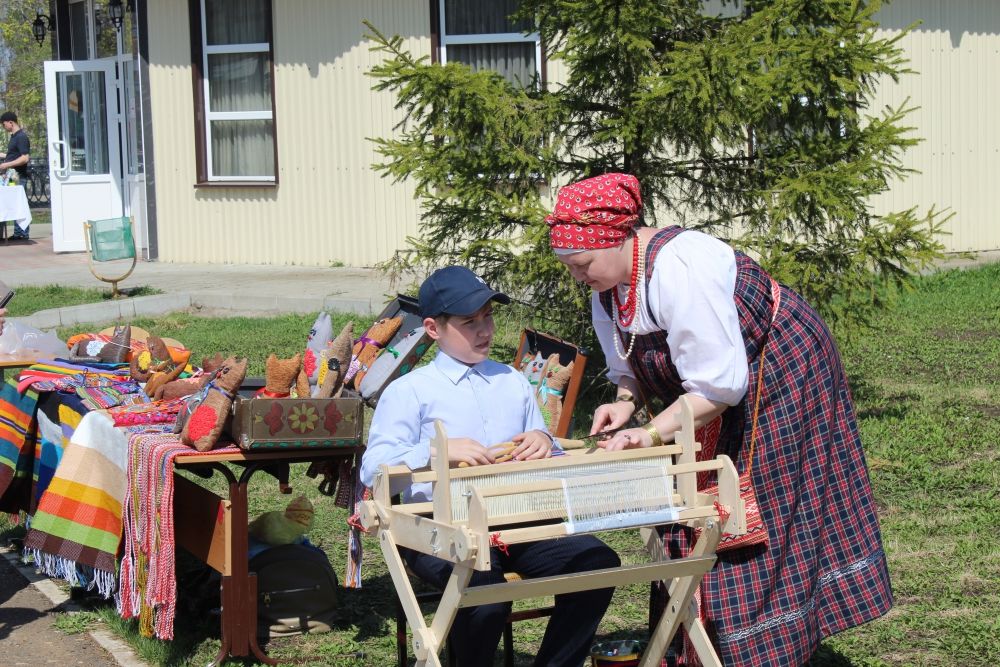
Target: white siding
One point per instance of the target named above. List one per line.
(330, 206)
(954, 52)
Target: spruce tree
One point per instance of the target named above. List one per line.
(753, 125)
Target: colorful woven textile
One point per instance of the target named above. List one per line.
(148, 587)
(823, 569)
(78, 521)
(57, 374)
(17, 446)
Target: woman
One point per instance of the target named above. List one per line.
(677, 313)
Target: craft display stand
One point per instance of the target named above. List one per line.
(214, 530)
(521, 501)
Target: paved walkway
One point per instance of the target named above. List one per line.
(27, 625)
(228, 287)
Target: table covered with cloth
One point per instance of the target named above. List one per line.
(63, 471)
(14, 206)
(89, 459)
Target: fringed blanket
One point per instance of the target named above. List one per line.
(78, 522)
(148, 587)
(17, 447)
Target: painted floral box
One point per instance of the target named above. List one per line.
(295, 423)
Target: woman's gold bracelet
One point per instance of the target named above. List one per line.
(654, 434)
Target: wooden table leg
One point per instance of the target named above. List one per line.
(239, 590)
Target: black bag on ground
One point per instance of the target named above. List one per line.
(296, 591)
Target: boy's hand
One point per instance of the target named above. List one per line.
(531, 445)
(468, 451)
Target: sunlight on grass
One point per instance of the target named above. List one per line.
(926, 381)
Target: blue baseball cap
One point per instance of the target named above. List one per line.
(455, 290)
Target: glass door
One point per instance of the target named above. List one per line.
(85, 170)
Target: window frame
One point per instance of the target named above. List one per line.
(440, 40)
(200, 51)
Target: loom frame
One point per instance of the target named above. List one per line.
(430, 527)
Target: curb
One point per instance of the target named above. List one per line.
(119, 651)
(160, 304)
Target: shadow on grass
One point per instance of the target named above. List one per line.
(828, 657)
(874, 402)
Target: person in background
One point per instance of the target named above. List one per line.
(680, 313)
(17, 156)
(481, 402)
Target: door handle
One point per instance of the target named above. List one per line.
(59, 167)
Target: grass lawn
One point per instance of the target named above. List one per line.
(33, 298)
(926, 380)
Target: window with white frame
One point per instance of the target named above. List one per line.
(481, 34)
(235, 92)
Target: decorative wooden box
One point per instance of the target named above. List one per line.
(294, 423)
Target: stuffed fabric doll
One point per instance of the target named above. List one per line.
(369, 345)
(532, 370)
(319, 339)
(284, 527)
(402, 356)
(192, 385)
(203, 427)
(553, 390)
(279, 376)
(335, 360)
(114, 351)
(156, 357)
(170, 373)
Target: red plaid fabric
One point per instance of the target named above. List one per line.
(597, 212)
(823, 569)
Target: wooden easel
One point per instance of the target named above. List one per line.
(457, 526)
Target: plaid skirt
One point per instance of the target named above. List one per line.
(823, 569)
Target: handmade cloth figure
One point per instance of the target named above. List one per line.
(284, 526)
(203, 427)
(532, 369)
(279, 376)
(552, 390)
(186, 386)
(334, 362)
(156, 357)
(114, 351)
(319, 339)
(170, 373)
(401, 357)
(368, 347)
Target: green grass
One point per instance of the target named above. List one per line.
(926, 380)
(31, 299)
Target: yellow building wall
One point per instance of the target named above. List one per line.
(954, 53)
(330, 206)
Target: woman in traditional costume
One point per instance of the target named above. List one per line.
(679, 313)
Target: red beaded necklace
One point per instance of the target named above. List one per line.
(627, 311)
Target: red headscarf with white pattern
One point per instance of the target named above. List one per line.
(598, 212)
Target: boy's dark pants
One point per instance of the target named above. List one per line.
(476, 631)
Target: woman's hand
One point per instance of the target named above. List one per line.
(531, 445)
(632, 438)
(611, 415)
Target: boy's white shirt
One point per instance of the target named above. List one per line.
(489, 402)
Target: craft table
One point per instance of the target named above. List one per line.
(14, 206)
(214, 530)
(19, 360)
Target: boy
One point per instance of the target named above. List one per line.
(481, 403)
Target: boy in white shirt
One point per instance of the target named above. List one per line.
(481, 402)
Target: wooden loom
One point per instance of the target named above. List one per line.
(580, 492)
